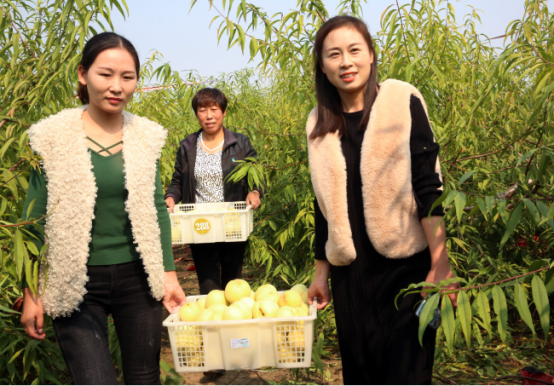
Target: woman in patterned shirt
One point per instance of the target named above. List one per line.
(203, 162)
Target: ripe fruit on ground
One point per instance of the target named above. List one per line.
(216, 297)
(188, 312)
(236, 290)
(265, 309)
(290, 298)
(233, 313)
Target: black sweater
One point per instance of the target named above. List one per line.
(425, 181)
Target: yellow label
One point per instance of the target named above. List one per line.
(202, 226)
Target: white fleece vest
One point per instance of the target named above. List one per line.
(390, 209)
(61, 142)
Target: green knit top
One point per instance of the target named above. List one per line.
(112, 238)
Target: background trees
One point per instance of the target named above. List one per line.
(491, 110)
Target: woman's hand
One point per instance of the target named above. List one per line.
(320, 286)
(319, 290)
(440, 266)
(253, 199)
(174, 295)
(440, 273)
(32, 316)
(170, 204)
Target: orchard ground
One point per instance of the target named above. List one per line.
(467, 368)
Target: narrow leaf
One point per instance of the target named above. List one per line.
(460, 202)
(427, 314)
(512, 223)
(540, 297)
(448, 321)
(483, 308)
(501, 310)
(523, 306)
(465, 316)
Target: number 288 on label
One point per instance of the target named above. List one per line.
(202, 226)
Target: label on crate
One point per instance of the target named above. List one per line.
(240, 343)
(202, 226)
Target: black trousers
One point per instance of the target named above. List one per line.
(217, 264)
(121, 290)
(379, 342)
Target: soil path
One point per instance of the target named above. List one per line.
(189, 282)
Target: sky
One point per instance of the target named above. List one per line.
(187, 42)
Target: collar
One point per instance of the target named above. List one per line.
(228, 136)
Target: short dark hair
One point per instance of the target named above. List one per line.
(329, 113)
(97, 44)
(209, 97)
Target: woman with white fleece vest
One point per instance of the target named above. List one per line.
(375, 173)
(108, 230)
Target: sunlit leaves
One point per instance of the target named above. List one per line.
(540, 297)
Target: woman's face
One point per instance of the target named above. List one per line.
(210, 118)
(111, 80)
(346, 60)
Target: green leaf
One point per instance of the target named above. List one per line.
(427, 314)
(512, 223)
(527, 155)
(532, 209)
(440, 200)
(448, 321)
(543, 164)
(501, 311)
(465, 177)
(19, 250)
(482, 206)
(523, 306)
(484, 310)
(5, 147)
(465, 316)
(30, 209)
(540, 297)
(460, 202)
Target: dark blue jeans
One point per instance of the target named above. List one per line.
(121, 290)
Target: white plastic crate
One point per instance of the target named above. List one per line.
(211, 222)
(241, 344)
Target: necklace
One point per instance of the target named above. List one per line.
(207, 148)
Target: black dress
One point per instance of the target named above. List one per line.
(379, 343)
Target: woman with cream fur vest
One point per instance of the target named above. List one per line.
(375, 173)
(108, 231)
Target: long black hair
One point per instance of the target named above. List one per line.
(329, 113)
(97, 44)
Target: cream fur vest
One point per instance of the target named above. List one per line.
(390, 209)
(61, 142)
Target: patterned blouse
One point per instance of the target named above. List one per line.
(208, 175)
